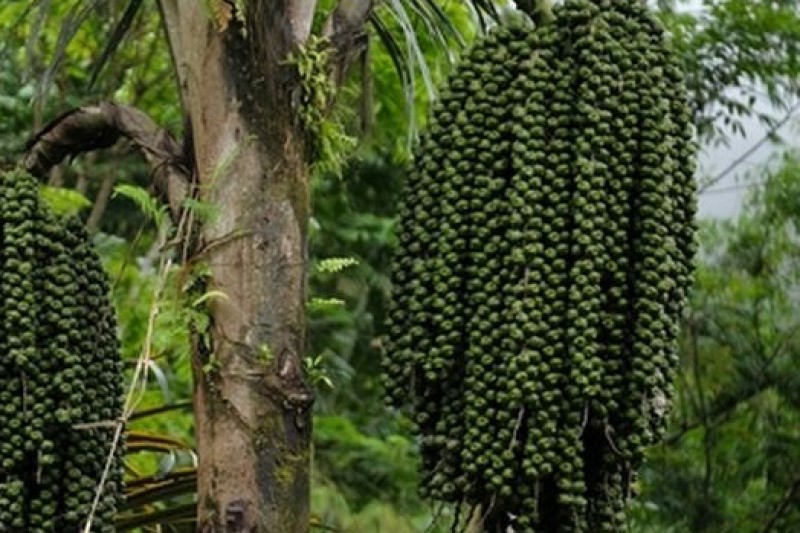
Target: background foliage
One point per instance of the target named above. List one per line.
(732, 459)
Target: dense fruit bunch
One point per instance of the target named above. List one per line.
(60, 369)
(546, 240)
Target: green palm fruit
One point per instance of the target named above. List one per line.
(545, 252)
(60, 368)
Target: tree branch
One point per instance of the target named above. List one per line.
(717, 413)
(100, 126)
(783, 506)
(744, 156)
(345, 29)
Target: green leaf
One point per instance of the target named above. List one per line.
(205, 211)
(403, 69)
(414, 52)
(317, 305)
(209, 296)
(146, 203)
(333, 265)
(154, 411)
(64, 202)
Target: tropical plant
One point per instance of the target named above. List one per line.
(268, 83)
(52, 51)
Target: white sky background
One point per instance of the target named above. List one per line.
(725, 197)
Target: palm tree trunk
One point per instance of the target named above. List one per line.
(251, 158)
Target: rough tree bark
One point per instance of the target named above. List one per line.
(253, 411)
(240, 98)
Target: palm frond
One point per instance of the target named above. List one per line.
(170, 515)
(43, 8)
(184, 484)
(438, 15)
(483, 12)
(117, 36)
(76, 16)
(439, 29)
(157, 441)
(144, 413)
(414, 51)
(398, 24)
(401, 66)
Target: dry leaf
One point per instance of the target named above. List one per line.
(222, 11)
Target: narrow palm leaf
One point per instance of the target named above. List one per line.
(144, 413)
(442, 20)
(171, 515)
(160, 492)
(432, 25)
(117, 36)
(141, 438)
(415, 54)
(483, 12)
(69, 28)
(401, 66)
(36, 28)
(174, 476)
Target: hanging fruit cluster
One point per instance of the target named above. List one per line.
(60, 370)
(546, 241)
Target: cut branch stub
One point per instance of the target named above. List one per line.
(100, 126)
